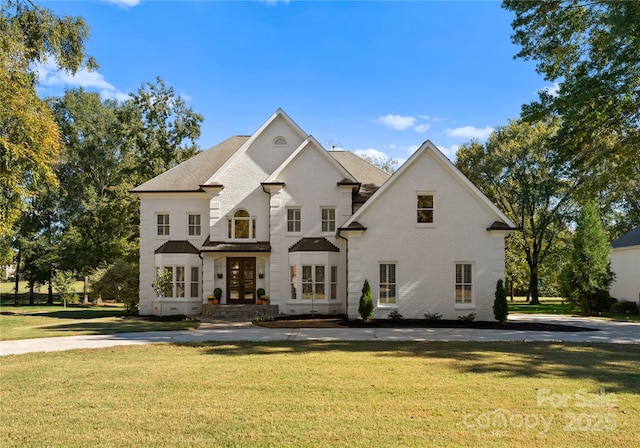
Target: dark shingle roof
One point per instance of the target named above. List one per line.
(370, 176)
(190, 174)
(631, 238)
(177, 247)
(221, 246)
(313, 245)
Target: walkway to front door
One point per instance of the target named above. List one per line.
(241, 284)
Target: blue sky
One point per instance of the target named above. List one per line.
(363, 76)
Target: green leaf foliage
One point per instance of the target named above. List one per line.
(500, 306)
(365, 307)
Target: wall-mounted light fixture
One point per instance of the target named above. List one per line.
(219, 270)
(261, 269)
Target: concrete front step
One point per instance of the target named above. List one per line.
(236, 312)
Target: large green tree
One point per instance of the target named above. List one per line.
(98, 215)
(587, 276)
(160, 128)
(592, 50)
(29, 137)
(517, 169)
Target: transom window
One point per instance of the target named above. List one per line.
(162, 221)
(328, 219)
(242, 225)
(293, 220)
(464, 283)
(388, 283)
(194, 225)
(425, 209)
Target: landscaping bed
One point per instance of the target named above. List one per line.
(333, 321)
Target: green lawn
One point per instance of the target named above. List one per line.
(296, 394)
(27, 322)
(555, 305)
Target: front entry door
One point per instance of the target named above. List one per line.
(241, 283)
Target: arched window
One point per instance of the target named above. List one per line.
(242, 225)
(280, 141)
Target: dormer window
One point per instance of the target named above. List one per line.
(242, 225)
(280, 141)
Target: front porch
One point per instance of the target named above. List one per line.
(238, 312)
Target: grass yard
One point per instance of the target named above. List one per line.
(292, 394)
(27, 322)
(555, 305)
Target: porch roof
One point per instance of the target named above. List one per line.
(222, 246)
(313, 244)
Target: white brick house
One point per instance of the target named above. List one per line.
(276, 211)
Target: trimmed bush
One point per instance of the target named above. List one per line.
(395, 315)
(432, 316)
(500, 306)
(624, 306)
(260, 292)
(366, 302)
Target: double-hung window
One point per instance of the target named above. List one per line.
(194, 225)
(388, 286)
(293, 220)
(162, 223)
(464, 283)
(426, 208)
(328, 219)
(195, 282)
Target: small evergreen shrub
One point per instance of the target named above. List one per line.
(260, 292)
(395, 315)
(468, 318)
(432, 316)
(217, 293)
(365, 307)
(500, 306)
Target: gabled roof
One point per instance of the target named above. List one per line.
(313, 143)
(631, 238)
(192, 173)
(427, 146)
(247, 144)
(369, 176)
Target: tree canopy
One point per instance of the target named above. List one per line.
(29, 137)
(592, 49)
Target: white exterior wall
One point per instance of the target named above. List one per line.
(310, 184)
(178, 206)
(426, 256)
(625, 262)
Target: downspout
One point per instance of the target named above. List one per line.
(346, 256)
(201, 280)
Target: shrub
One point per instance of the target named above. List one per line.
(365, 307)
(468, 318)
(119, 281)
(432, 316)
(395, 315)
(217, 293)
(260, 292)
(500, 306)
(626, 307)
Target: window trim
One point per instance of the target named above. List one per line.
(386, 304)
(197, 227)
(231, 225)
(166, 224)
(293, 221)
(331, 229)
(433, 209)
(471, 304)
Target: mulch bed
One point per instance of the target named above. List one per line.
(320, 321)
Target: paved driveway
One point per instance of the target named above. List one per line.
(605, 331)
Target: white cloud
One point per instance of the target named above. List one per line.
(422, 127)
(186, 97)
(469, 132)
(450, 152)
(553, 90)
(370, 153)
(397, 122)
(50, 75)
(124, 3)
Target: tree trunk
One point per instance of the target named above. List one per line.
(50, 296)
(15, 295)
(85, 300)
(31, 294)
(533, 287)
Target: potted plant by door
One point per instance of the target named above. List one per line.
(217, 294)
(260, 294)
